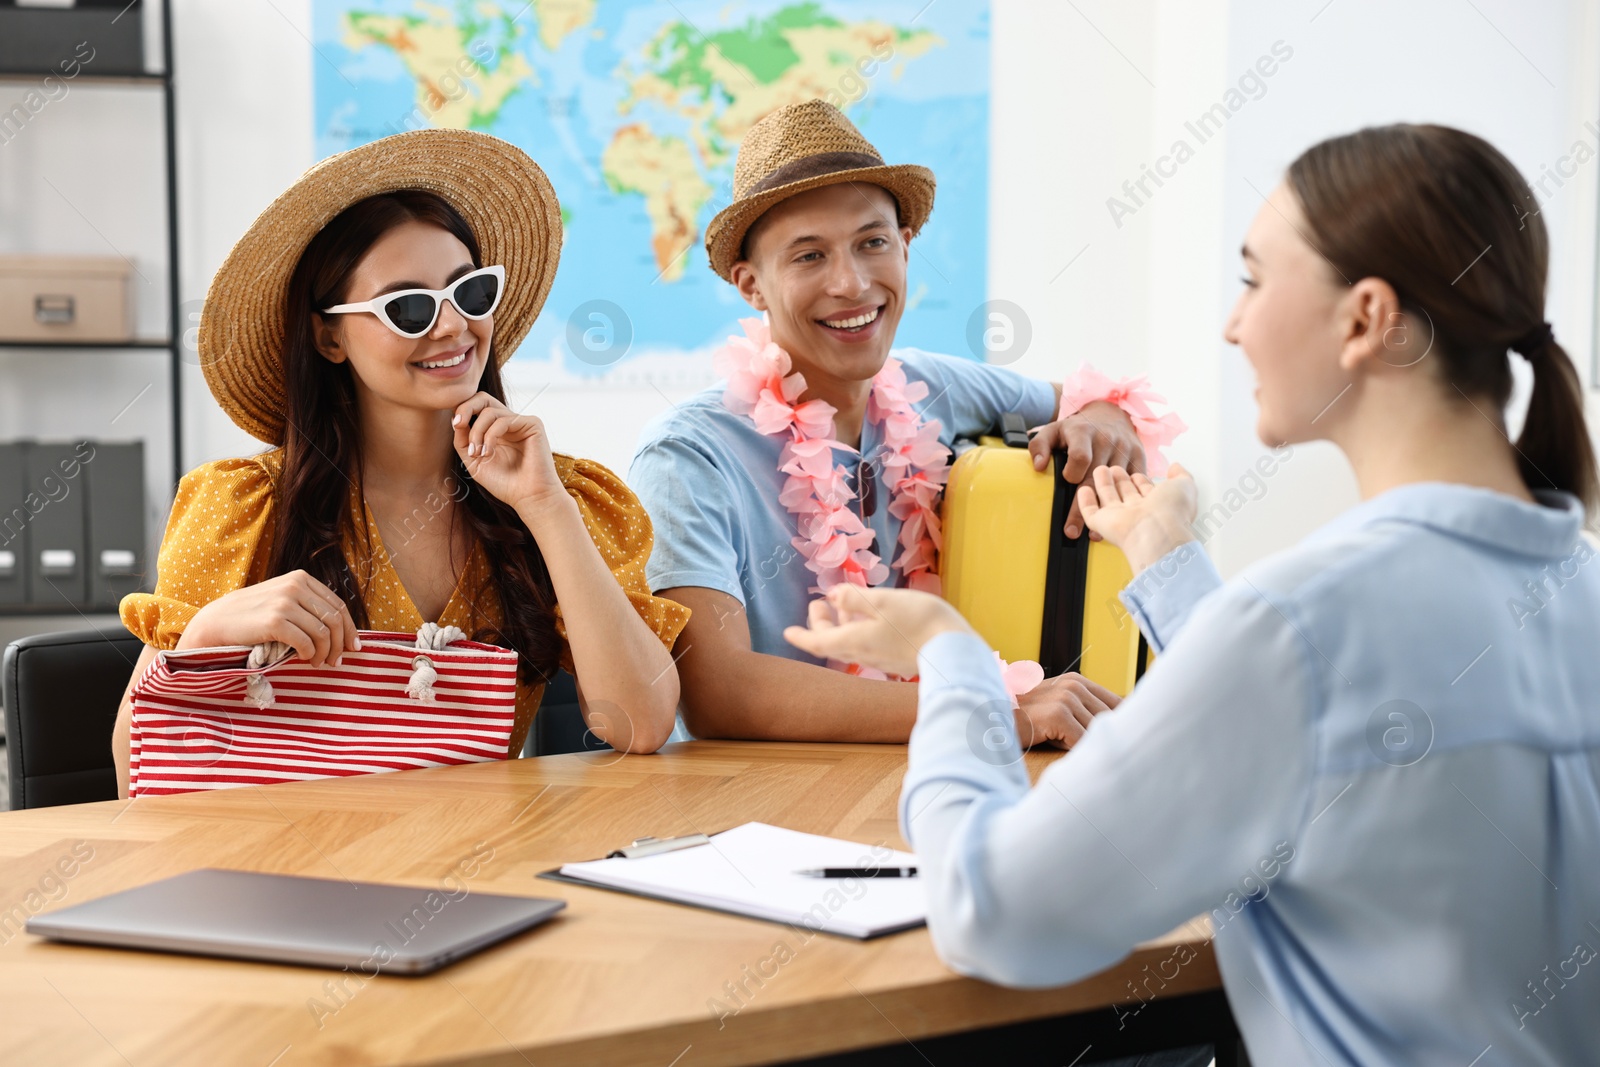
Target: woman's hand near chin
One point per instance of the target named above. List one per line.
(508, 454)
(1143, 518)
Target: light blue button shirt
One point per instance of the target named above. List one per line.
(710, 482)
(1374, 760)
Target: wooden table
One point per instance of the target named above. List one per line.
(614, 979)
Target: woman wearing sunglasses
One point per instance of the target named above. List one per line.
(359, 328)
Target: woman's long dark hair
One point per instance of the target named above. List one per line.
(1446, 220)
(322, 444)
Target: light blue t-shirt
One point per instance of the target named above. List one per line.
(710, 482)
(1374, 760)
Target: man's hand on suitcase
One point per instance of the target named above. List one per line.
(1057, 711)
(1101, 435)
(1143, 518)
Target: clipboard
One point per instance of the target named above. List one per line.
(749, 871)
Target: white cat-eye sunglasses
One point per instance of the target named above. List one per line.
(412, 312)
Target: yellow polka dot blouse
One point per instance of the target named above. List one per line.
(219, 536)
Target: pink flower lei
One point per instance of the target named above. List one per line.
(835, 544)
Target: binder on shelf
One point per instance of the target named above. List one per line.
(114, 499)
(53, 494)
(14, 522)
(95, 37)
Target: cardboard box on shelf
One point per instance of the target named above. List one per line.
(65, 299)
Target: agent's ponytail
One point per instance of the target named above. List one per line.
(1554, 447)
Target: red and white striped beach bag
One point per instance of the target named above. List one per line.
(215, 718)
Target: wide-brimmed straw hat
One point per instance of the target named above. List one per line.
(800, 147)
(497, 188)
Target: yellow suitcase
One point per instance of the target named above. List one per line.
(1009, 569)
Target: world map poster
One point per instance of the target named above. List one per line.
(635, 110)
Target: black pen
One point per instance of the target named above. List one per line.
(860, 872)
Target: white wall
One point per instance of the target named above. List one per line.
(1084, 96)
(1511, 71)
(1091, 93)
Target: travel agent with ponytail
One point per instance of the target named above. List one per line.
(358, 329)
(1373, 759)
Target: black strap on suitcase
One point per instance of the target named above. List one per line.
(1066, 575)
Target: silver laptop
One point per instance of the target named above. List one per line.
(286, 919)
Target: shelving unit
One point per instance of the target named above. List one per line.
(74, 345)
(163, 83)
(62, 364)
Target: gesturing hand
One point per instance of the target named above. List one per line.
(1143, 518)
(1100, 435)
(506, 453)
(880, 628)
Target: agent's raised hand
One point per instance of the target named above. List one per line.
(880, 628)
(1143, 518)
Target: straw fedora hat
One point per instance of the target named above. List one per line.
(800, 147)
(497, 188)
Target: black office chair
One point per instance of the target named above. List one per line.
(559, 726)
(61, 692)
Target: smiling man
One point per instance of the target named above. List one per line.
(822, 457)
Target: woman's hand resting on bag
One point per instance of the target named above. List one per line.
(1143, 518)
(294, 608)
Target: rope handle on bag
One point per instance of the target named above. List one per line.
(431, 637)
